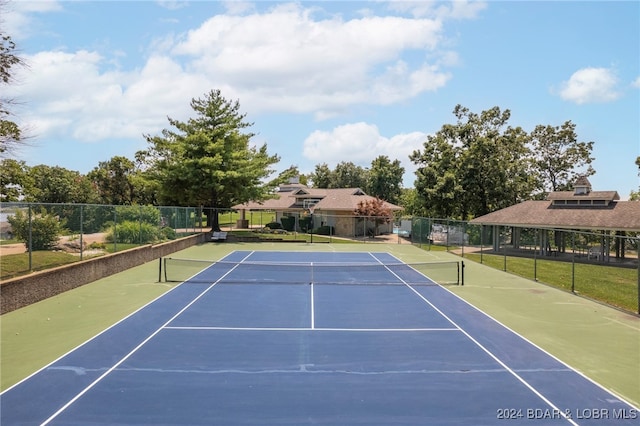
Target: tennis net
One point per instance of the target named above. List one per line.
(414, 274)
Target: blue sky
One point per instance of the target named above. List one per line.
(326, 82)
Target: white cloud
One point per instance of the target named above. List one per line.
(172, 4)
(457, 9)
(17, 20)
(321, 66)
(360, 143)
(80, 101)
(237, 7)
(636, 83)
(590, 85)
(282, 60)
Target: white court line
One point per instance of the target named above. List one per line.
(492, 355)
(134, 350)
(308, 329)
(313, 309)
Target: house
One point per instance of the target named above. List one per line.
(581, 209)
(6, 232)
(325, 207)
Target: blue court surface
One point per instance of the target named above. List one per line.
(357, 339)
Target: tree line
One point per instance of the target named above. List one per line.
(468, 168)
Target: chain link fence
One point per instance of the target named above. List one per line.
(55, 234)
(601, 265)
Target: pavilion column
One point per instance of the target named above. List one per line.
(496, 238)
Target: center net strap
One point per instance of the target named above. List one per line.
(202, 271)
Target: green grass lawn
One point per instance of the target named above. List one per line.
(615, 286)
(229, 219)
(13, 265)
(292, 236)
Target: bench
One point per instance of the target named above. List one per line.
(219, 236)
(595, 253)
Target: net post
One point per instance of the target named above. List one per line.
(164, 262)
(462, 272)
(160, 269)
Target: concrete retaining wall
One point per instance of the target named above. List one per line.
(22, 291)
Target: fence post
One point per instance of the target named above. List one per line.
(81, 231)
(535, 255)
(638, 254)
(115, 229)
(481, 242)
(573, 262)
(30, 247)
(448, 230)
(504, 248)
(464, 232)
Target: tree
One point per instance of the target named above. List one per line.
(14, 180)
(59, 185)
(373, 209)
(208, 160)
(321, 177)
(559, 157)
(472, 167)
(10, 133)
(494, 163)
(385, 179)
(412, 203)
(114, 180)
(437, 183)
(348, 175)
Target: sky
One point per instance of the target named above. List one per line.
(326, 81)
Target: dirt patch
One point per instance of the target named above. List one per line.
(87, 239)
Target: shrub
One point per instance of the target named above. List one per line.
(288, 223)
(132, 233)
(325, 230)
(45, 229)
(305, 224)
(167, 233)
(97, 245)
(145, 214)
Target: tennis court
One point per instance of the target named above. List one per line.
(346, 338)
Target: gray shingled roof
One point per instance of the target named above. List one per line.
(593, 195)
(343, 199)
(619, 215)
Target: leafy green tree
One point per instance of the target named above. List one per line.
(437, 180)
(348, 175)
(472, 167)
(411, 203)
(114, 180)
(208, 160)
(494, 161)
(14, 180)
(385, 179)
(322, 176)
(559, 157)
(54, 184)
